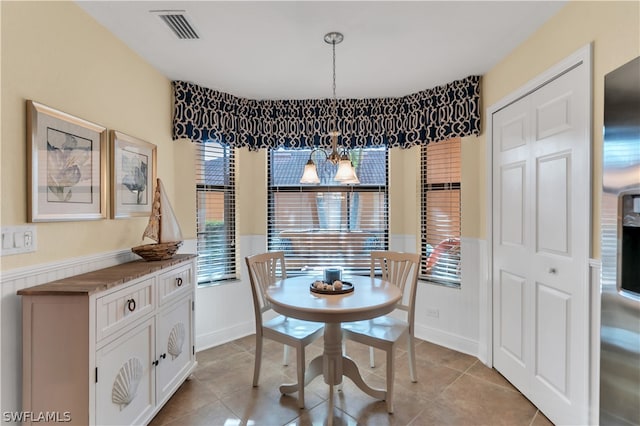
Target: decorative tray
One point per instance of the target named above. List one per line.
(347, 287)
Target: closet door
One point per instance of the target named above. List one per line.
(541, 169)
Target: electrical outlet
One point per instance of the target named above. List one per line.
(433, 312)
(28, 239)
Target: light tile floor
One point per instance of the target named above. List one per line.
(452, 389)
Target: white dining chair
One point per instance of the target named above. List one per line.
(263, 271)
(386, 331)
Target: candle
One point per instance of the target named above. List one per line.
(332, 274)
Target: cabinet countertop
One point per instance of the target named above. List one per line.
(102, 279)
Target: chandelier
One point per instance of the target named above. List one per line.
(346, 173)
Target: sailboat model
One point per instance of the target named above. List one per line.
(163, 228)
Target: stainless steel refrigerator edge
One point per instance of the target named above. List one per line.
(620, 246)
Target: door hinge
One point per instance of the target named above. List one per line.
(193, 349)
(96, 374)
(193, 305)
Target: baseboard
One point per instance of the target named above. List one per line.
(448, 340)
(219, 337)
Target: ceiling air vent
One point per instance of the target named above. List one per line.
(178, 22)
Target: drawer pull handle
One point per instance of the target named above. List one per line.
(163, 356)
(178, 281)
(156, 362)
(131, 305)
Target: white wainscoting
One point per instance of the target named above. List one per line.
(11, 324)
(457, 323)
(225, 312)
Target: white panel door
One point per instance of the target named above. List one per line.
(541, 169)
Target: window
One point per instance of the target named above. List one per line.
(215, 187)
(327, 224)
(441, 212)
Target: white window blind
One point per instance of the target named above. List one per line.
(215, 187)
(441, 212)
(324, 225)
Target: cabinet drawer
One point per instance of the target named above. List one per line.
(122, 307)
(175, 283)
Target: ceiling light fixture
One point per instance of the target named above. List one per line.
(346, 173)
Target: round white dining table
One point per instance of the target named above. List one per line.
(372, 297)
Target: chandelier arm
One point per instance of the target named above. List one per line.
(326, 156)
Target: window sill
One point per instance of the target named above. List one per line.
(440, 284)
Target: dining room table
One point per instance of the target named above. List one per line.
(361, 298)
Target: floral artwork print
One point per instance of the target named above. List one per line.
(135, 171)
(68, 168)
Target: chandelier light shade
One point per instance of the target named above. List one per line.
(310, 174)
(346, 173)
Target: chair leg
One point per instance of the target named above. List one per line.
(372, 357)
(390, 378)
(258, 360)
(285, 355)
(412, 359)
(300, 369)
(344, 353)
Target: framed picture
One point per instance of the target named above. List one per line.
(67, 166)
(133, 173)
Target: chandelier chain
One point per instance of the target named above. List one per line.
(335, 101)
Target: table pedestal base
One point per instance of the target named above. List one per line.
(333, 366)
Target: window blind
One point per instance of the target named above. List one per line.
(327, 225)
(441, 212)
(215, 197)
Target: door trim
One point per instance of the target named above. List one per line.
(581, 56)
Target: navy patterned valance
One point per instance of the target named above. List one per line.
(431, 115)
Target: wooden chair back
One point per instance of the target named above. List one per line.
(264, 270)
(401, 269)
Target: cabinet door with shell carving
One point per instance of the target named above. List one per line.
(125, 379)
(174, 346)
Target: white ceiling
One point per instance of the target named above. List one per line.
(276, 50)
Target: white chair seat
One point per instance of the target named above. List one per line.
(382, 328)
(292, 329)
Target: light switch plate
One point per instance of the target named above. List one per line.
(18, 239)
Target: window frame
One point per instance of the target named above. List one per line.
(427, 188)
(273, 242)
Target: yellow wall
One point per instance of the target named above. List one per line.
(55, 54)
(614, 29)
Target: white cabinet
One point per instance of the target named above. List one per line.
(109, 347)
